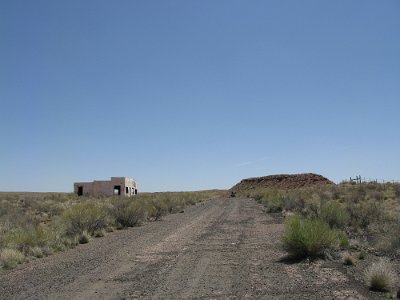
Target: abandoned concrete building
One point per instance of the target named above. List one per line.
(117, 186)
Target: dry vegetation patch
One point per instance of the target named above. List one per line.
(380, 276)
(364, 217)
(33, 225)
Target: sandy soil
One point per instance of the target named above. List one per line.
(223, 248)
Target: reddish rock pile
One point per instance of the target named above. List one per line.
(283, 181)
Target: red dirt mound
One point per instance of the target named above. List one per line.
(283, 181)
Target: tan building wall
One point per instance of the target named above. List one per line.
(117, 186)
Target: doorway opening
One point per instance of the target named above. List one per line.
(117, 190)
(80, 190)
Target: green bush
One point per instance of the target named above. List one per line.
(275, 204)
(334, 215)
(273, 200)
(362, 255)
(308, 238)
(24, 239)
(157, 209)
(99, 233)
(128, 212)
(312, 206)
(293, 203)
(36, 252)
(10, 258)
(258, 197)
(342, 238)
(365, 213)
(87, 216)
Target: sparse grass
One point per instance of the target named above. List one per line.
(39, 224)
(368, 212)
(10, 258)
(309, 237)
(342, 238)
(362, 255)
(333, 214)
(99, 233)
(380, 276)
(36, 252)
(275, 204)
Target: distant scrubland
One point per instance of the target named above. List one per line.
(33, 225)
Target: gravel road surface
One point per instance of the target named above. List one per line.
(222, 248)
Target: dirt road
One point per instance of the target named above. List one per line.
(223, 248)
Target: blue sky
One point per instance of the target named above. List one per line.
(190, 95)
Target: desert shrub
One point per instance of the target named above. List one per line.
(377, 195)
(312, 205)
(348, 259)
(258, 197)
(99, 233)
(365, 213)
(308, 238)
(191, 198)
(380, 276)
(171, 201)
(334, 215)
(356, 194)
(292, 203)
(396, 189)
(362, 255)
(128, 212)
(87, 216)
(336, 192)
(84, 237)
(275, 204)
(273, 200)
(10, 258)
(342, 238)
(157, 209)
(24, 239)
(36, 252)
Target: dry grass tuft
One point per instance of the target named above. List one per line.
(10, 258)
(348, 259)
(84, 238)
(380, 276)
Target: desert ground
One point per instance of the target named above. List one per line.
(217, 249)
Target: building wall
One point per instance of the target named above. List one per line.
(127, 187)
(102, 188)
(87, 188)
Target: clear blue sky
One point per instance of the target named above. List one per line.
(189, 95)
